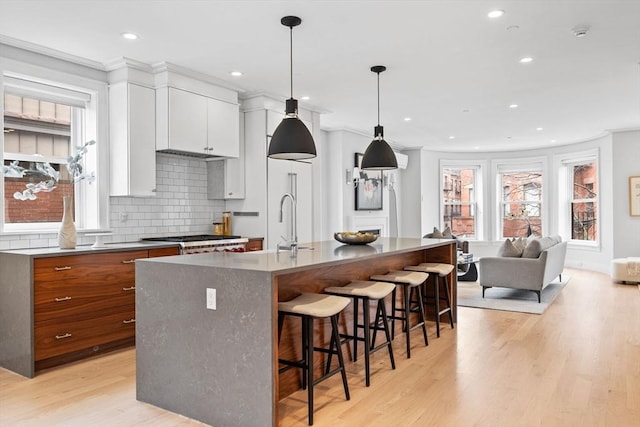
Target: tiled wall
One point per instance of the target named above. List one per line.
(179, 207)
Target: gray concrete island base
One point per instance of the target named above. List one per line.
(215, 366)
(218, 366)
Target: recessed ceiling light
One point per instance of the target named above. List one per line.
(553, 140)
(526, 60)
(130, 36)
(452, 137)
(513, 106)
(407, 119)
(476, 148)
(495, 13)
(236, 73)
(305, 98)
(538, 129)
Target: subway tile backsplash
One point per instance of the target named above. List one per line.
(180, 206)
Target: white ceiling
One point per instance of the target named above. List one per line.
(450, 68)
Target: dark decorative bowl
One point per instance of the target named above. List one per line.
(351, 238)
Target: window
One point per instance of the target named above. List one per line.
(521, 203)
(583, 200)
(43, 124)
(459, 201)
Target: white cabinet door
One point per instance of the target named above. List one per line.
(223, 128)
(132, 140)
(187, 122)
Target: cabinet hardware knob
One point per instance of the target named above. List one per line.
(128, 261)
(66, 267)
(63, 299)
(59, 337)
(132, 288)
(129, 321)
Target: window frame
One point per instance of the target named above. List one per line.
(519, 165)
(475, 206)
(28, 80)
(565, 164)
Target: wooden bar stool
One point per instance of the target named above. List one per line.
(367, 291)
(440, 270)
(309, 307)
(410, 282)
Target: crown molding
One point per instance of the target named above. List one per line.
(122, 62)
(393, 144)
(161, 67)
(47, 51)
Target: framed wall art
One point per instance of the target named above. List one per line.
(634, 195)
(368, 192)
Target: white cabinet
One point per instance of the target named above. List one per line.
(226, 178)
(190, 123)
(132, 140)
(223, 129)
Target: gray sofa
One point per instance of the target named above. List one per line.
(527, 271)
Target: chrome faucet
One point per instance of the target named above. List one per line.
(291, 245)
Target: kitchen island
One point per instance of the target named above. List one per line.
(219, 364)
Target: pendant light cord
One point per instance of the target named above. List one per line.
(291, 58)
(378, 99)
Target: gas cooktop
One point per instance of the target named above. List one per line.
(195, 238)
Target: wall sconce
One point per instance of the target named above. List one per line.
(353, 176)
(389, 180)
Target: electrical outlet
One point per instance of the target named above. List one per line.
(211, 299)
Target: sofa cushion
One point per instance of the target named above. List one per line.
(508, 249)
(535, 246)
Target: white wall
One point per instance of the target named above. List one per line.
(626, 163)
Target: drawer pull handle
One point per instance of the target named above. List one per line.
(129, 321)
(66, 267)
(132, 288)
(63, 299)
(128, 261)
(59, 337)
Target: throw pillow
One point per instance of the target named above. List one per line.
(508, 249)
(533, 249)
(520, 243)
(446, 234)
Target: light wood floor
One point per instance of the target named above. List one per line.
(576, 365)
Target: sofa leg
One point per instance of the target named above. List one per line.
(538, 293)
(483, 289)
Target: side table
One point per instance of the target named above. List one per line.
(467, 270)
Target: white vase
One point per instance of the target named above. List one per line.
(67, 236)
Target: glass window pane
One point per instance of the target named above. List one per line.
(585, 181)
(458, 199)
(584, 224)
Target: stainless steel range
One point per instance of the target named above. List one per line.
(204, 243)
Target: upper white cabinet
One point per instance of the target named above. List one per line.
(190, 123)
(132, 139)
(223, 128)
(226, 178)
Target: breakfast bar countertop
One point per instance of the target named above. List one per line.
(310, 255)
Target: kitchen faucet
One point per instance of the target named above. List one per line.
(292, 244)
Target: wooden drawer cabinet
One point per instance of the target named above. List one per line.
(85, 303)
(253, 245)
(70, 333)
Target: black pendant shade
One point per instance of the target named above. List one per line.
(379, 155)
(291, 139)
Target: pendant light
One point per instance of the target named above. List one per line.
(379, 155)
(291, 139)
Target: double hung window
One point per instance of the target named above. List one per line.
(460, 197)
(521, 200)
(43, 124)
